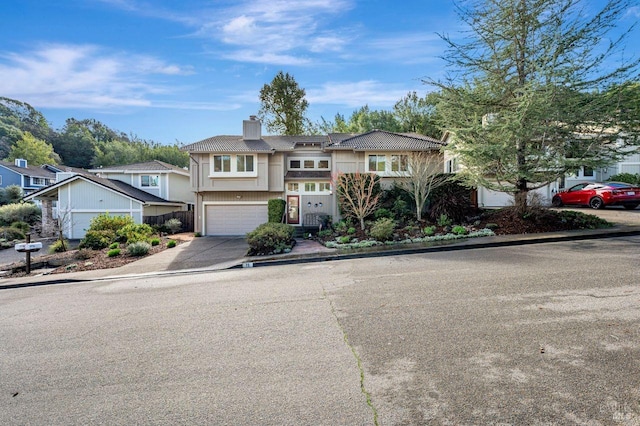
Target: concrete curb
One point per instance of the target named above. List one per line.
(455, 246)
(292, 259)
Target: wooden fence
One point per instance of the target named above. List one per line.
(186, 217)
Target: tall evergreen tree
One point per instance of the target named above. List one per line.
(536, 92)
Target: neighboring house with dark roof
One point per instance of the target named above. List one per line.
(29, 178)
(234, 177)
(81, 197)
(161, 179)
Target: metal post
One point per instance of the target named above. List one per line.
(28, 240)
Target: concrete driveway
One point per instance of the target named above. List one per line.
(614, 214)
(206, 252)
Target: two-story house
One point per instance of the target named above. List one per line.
(29, 178)
(234, 177)
(137, 190)
(156, 177)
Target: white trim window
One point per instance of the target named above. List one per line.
(399, 163)
(40, 181)
(309, 188)
(233, 165)
(149, 181)
(377, 163)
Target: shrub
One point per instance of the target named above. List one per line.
(114, 246)
(19, 212)
(59, 246)
(11, 234)
(429, 231)
(197, 234)
(344, 240)
(105, 222)
(97, 239)
(113, 252)
(444, 220)
(459, 230)
(133, 233)
(270, 238)
(451, 199)
(382, 212)
(324, 233)
(351, 231)
(155, 241)
(398, 202)
(382, 229)
(171, 243)
(579, 220)
(173, 225)
(633, 179)
(276, 208)
(22, 226)
(139, 248)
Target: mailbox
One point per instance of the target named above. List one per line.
(28, 247)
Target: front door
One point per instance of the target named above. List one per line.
(293, 209)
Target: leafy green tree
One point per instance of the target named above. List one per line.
(35, 151)
(418, 115)
(24, 117)
(75, 144)
(10, 195)
(528, 105)
(283, 106)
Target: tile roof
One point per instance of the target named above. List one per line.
(34, 171)
(155, 165)
(375, 140)
(380, 140)
(266, 144)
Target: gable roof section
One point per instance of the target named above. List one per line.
(381, 140)
(149, 166)
(112, 184)
(32, 171)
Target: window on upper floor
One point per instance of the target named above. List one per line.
(308, 164)
(400, 163)
(244, 163)
(222, 164)
(233, 165)
(292, 187)
(40, 181)
(149, 181)
(377, 163)
(310, 187)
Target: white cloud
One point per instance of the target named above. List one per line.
(85, 76)
(357, 94)
(278, 32)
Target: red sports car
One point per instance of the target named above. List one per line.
(598, 195)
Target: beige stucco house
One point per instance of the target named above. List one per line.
(234, 177)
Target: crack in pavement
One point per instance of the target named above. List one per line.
(363, 388)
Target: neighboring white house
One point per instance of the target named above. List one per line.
(81, 197)
(489, 198)
(155, 177)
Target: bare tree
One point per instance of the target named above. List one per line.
(424, 175)
(358, 194)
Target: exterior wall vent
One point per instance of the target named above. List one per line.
(252, 129)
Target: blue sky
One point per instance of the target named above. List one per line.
(169, 70)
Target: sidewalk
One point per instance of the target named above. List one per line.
(176, 261)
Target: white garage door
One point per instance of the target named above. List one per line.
(234, 219)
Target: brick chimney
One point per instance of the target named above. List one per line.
(252, 129)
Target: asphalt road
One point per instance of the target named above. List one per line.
(542, 334)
